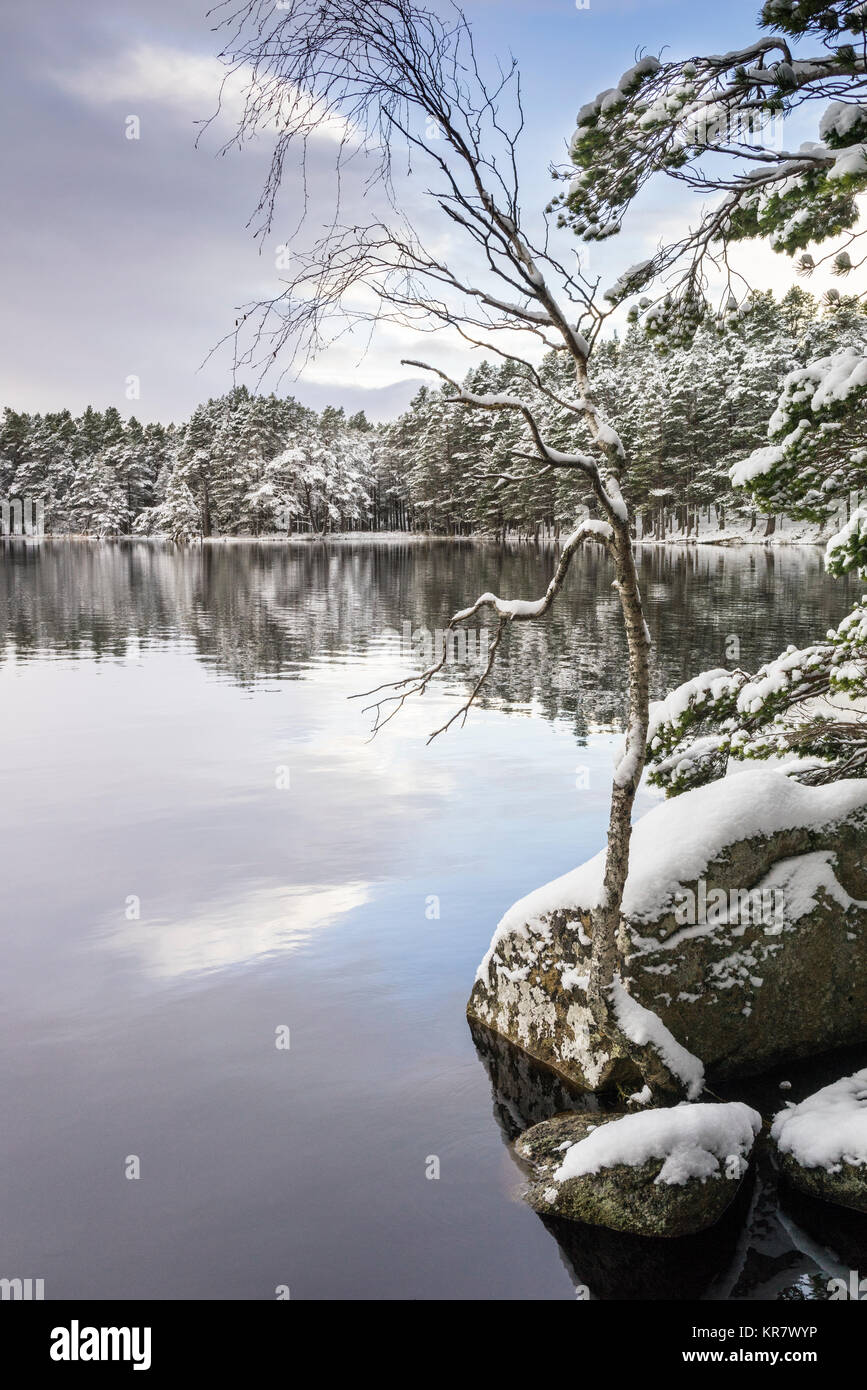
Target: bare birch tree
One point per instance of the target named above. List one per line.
(403, 87)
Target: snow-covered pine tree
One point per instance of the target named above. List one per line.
(176, 516)
(96, 502)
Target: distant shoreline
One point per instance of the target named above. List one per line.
(725, 539)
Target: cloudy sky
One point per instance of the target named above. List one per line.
(127, 257)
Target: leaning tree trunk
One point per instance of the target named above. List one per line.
(608, 939)
(607, 949)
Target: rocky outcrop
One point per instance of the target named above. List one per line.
(744, 929)
(677, 1182)
(821, 1144)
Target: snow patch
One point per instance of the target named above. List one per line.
(674, 842)
(801, 878)
(829, 1128)
(644, 1026)
(695, 1141)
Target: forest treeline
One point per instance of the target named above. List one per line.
(247, 464)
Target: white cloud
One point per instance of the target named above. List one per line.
(194, 84)
(265, 922)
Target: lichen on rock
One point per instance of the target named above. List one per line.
(669, 1172)
(744, 929)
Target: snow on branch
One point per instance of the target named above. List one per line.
(507, 611)
(847, 550)
(816, 452)
(716, 123)
(524, 608)
(607, 492)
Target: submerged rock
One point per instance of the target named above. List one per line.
(666, 1173)
(619, 1265)
(821, 1144)
(744, 930)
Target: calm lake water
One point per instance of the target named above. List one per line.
(201, 849)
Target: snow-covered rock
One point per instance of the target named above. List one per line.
(744, 933)
(669, 1172)
(821, 1144)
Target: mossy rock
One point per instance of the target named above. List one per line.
(746, 993)
(845, 1188)
(622, 1197)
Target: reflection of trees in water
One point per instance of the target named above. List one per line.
(256, 610)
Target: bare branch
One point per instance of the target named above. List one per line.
(507, 611)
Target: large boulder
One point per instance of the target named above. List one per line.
(670, 1172)
(744, 930)
(821, 1144)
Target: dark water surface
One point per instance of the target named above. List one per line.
(170, 904)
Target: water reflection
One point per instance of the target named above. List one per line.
(525, 1092)
(150, 697)
(253, 611)
(617, 1265)
(260, 924)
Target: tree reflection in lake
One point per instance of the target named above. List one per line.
(258, 610)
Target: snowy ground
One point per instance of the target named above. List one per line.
(309, 538)
(787, 532)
